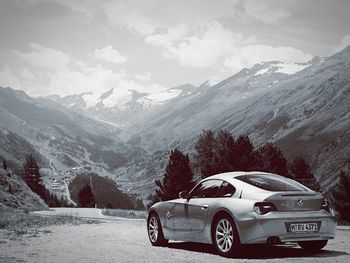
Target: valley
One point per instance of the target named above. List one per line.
(302, 108)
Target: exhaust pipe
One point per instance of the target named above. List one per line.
(273, 240)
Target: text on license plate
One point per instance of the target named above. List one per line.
(303, 227)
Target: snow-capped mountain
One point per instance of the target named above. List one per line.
(119, 106)
(305, 112)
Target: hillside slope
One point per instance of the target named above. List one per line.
(306, 113)
(15, 195)
(63, 141)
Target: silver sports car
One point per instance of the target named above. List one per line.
(235, 208)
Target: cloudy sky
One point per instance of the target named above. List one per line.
(72, 46)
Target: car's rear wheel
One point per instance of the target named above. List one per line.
(225, 236)
(155, 232)
(313, 245)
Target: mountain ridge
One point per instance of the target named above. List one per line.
(305, 113)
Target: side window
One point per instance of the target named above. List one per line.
(206, 189)
(226, 190)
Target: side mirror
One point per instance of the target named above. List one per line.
(184, 195)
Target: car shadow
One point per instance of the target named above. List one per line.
(263, 251)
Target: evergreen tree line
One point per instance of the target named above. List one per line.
(86, 197)
(90, 190)
(222, 152)
(105, 192)
(31, 176)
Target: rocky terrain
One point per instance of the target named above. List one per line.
(16, 196)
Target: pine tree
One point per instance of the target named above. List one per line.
(178, 177)
(86, 197)
(271, 159)
(246, 156)
(300, 171)
(205, 155)
(4, 164)
(341, 196)
(32, 176)
(226, 154)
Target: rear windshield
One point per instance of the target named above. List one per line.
(270, 182)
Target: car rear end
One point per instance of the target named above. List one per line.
(287, 216)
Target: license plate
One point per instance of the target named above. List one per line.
(303, 227)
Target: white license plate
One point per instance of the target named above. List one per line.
(303, 227)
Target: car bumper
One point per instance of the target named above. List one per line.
(254, 228)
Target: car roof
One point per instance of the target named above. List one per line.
(232, 175)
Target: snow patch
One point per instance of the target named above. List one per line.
(280, 67)
(212, 82)
(118, 98)
(108, 122)
(90, 99)
(262, 71)
(290, 68)
(159, 98)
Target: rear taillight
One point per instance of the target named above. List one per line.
(327, 206)
(263, 208)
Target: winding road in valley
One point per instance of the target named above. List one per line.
(125, 240)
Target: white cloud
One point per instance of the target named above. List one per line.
(53, 71)
(168, 38)
(27, 74)
(247, 56)
(212, 45)
(109, 54)
(144, 77)
(22, 79)
(344, 42)
(46, 57)
(268, 11)
(127, 14)
(86, 7)
(199, 47)
(8, 79)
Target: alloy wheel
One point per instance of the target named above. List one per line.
(153, 229)
(224, 235)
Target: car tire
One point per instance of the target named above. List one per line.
(225, 237)
(155, 231)
(313, 245)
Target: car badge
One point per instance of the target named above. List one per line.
(285, 203)
(300, 202)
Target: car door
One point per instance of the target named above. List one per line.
(190, 215)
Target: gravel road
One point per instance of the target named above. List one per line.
(126, 241)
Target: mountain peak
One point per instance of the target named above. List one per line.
(18, 93)
(208, 83)
(106, 94)
(184, 87)
(343, 55)
(346, 50)
(278, 67)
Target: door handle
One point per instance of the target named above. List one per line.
(204, 207)
(168, 214)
